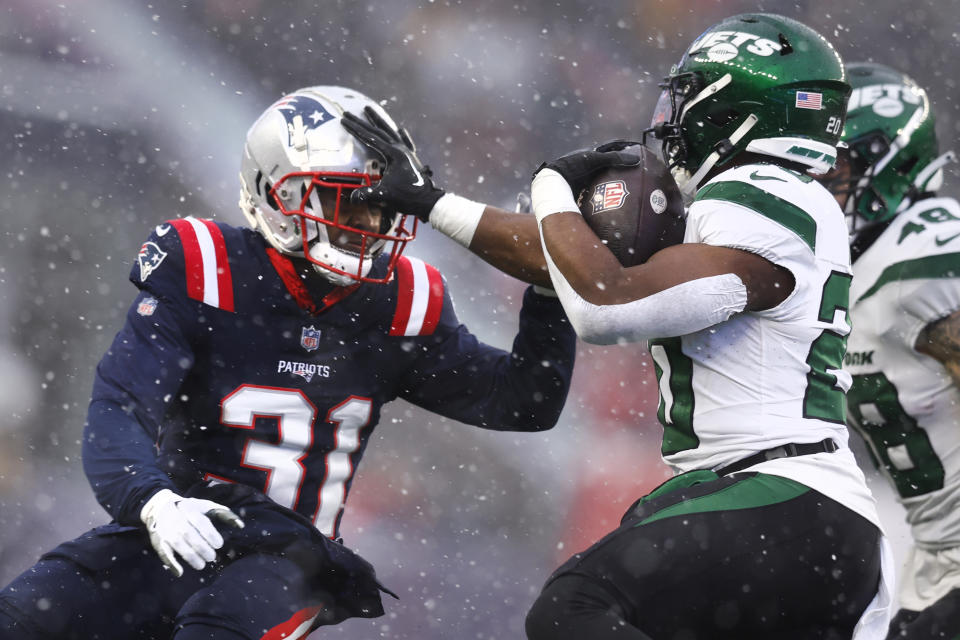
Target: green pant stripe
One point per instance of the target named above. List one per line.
(757, 491)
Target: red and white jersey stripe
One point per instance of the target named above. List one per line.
(296, 627)
(205, 262)
(419, 298)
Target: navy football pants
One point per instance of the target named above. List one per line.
(250, 597)
(706, 558)
(109, 584)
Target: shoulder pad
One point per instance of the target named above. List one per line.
(783, 196)
(929, 225)
(205, 268)
(943, 209)
(420, 293)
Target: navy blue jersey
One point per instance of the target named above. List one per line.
(228, 369)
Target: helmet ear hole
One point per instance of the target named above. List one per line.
(904, 168)
(265, 189)
(871, 148)
(270, 200)
(304, 201)
(721, 115)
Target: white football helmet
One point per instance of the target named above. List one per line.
(293, 152)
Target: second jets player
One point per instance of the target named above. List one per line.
(769, 529)
(904, 352)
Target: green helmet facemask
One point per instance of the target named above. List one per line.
(892, 146)
(759, 83)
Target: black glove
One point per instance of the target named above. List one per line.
(406, 185)
(578, 167)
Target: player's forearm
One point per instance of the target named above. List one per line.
(522, 390)
(584, 263)
(526, 389)
(511, 242)
(573, 251)
(508, 241)
(541, 363)
(682, 309)
(119, 461)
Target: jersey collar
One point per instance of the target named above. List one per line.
(295, 286)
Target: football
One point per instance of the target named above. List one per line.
(635, 211)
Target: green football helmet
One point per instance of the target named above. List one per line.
(759, 83)
(893, 153)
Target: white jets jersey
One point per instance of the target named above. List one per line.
(764, 379)
(903, 402)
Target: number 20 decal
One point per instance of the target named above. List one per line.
(835, 125)
(283, 461)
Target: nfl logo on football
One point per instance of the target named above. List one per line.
(310, 338)
(609, 195)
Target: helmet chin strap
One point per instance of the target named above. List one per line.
(326, 253)
(689, 185)
(334, 278)
(931, 177)
(322, 250)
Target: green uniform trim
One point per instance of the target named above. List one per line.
(759, 491)
(766, 204)
(677, 419)
(945, 265)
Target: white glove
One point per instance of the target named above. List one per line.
(183, 526)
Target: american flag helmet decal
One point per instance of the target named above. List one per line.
(809, 100)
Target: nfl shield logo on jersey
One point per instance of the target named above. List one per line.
(310, 338)
(147, 306)
(609, 195)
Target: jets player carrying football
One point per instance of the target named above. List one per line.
(904, 352)
(769, 530)
(229, 416)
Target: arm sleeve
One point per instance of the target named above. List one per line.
(119, 458)
(459, 377)
(679, 310)
(135, 381)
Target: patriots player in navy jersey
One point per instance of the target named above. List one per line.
(229, 415)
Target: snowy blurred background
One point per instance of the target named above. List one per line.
(118, 114)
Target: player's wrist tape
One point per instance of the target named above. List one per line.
(551, 194)
(457, 217)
